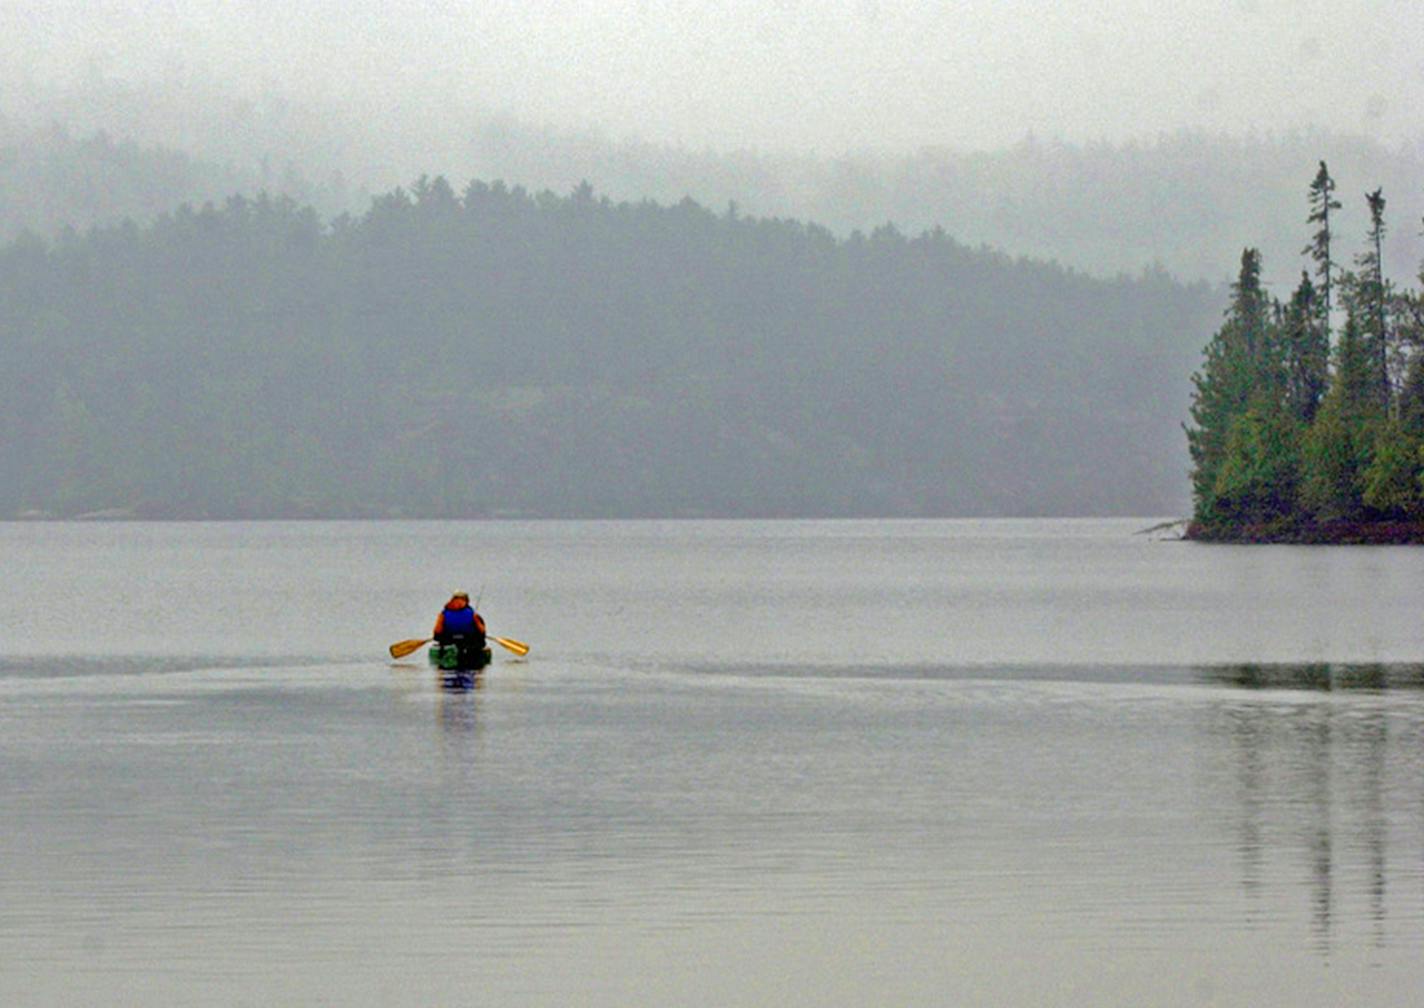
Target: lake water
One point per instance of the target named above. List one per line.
(1002, 763)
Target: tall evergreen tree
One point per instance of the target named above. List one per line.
(1407, 309)
(1370, 290)
(1338, 448)
(1353, 384)
(1250, 306)
(1236, 373)
(1322, 201)
(1410, 406)
(1306, 350)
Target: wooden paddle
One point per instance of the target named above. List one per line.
(509, 643)
(402, 648)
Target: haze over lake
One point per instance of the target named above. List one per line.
(743, 359)
(987, 762)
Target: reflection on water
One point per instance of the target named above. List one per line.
(1317, 676)
(1315, 777)
(460, 682)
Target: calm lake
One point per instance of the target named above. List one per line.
(1002, 763)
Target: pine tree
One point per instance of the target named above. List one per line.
(1353, 384)
(1408, 316)
(1410, 405)
(1370, 292)
(1330, 486)
(1239, 372)
(1305, 350)
(1338, 448)
(1322, 201)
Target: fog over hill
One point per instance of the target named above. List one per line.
(1099, 133)
(99, 149)
(872, 256)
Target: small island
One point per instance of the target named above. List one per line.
(1307, 417)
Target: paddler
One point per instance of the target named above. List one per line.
(458, 623)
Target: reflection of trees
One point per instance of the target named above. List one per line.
(1310, 770)
(1317, 766)
(1316, 676)
(1251, 772)
(1373, 816)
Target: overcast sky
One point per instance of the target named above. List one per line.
(827, 76)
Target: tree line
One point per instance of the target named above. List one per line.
(495, 351)
(1182, 199)
(1307, 416)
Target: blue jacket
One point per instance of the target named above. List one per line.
(459, 621)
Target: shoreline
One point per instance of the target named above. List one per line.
(1334, 533)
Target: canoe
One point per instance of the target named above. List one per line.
(459, 656)
(459, 664)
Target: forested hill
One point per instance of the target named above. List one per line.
(497, 352)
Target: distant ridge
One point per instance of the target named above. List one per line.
(495, 351)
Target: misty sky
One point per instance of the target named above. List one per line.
(826, 77)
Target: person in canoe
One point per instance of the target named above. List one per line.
(459, 624)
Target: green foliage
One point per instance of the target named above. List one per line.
(1354, 387)
(1306, 351)
(1339, 447)
(1244, 369)
(1390, 483)
(1261, 466)
(1219, 395)
(1278, 437)
(1334, 455)
(1368, 296)
(1411, 394)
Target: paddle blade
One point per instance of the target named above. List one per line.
(518, 647)
(402, 648)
